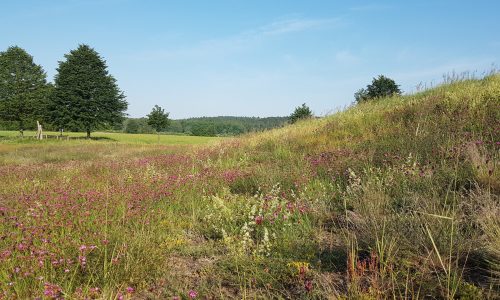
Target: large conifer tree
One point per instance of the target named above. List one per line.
(23, 88)
(86, 96)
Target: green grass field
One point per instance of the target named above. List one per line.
(395, 198)
(14, 137)
(28, 150)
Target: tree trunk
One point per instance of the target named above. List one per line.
(158, 137)
(88, 133)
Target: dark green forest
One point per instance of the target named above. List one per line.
(207, 126)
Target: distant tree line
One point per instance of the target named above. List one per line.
(208, 126)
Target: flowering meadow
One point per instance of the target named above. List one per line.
(396, 198)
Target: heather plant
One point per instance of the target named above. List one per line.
(395, 198)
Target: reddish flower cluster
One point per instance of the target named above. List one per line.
(52, 291)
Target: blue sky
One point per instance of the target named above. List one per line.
(259, 57)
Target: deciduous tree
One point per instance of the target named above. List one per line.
(24, 90)
(158, 119)
(380, 87)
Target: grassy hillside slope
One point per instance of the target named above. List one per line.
(404, 191)
(412, 185)
(394, 198)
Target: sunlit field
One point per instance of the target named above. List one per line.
(395, 198)
(14, 137)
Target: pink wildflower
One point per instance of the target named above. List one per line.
(5, 254)
(308, 285)
(51, 290)
(94, 292)
(83, 260)
(21, 247)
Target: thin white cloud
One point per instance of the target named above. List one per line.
(298, 25)
(243, 41)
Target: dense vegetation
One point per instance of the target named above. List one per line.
(84, 97)
(225, 126)
(380, 87)
(395, 198)
(300, 113)
(208, 126)
(24, 91)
